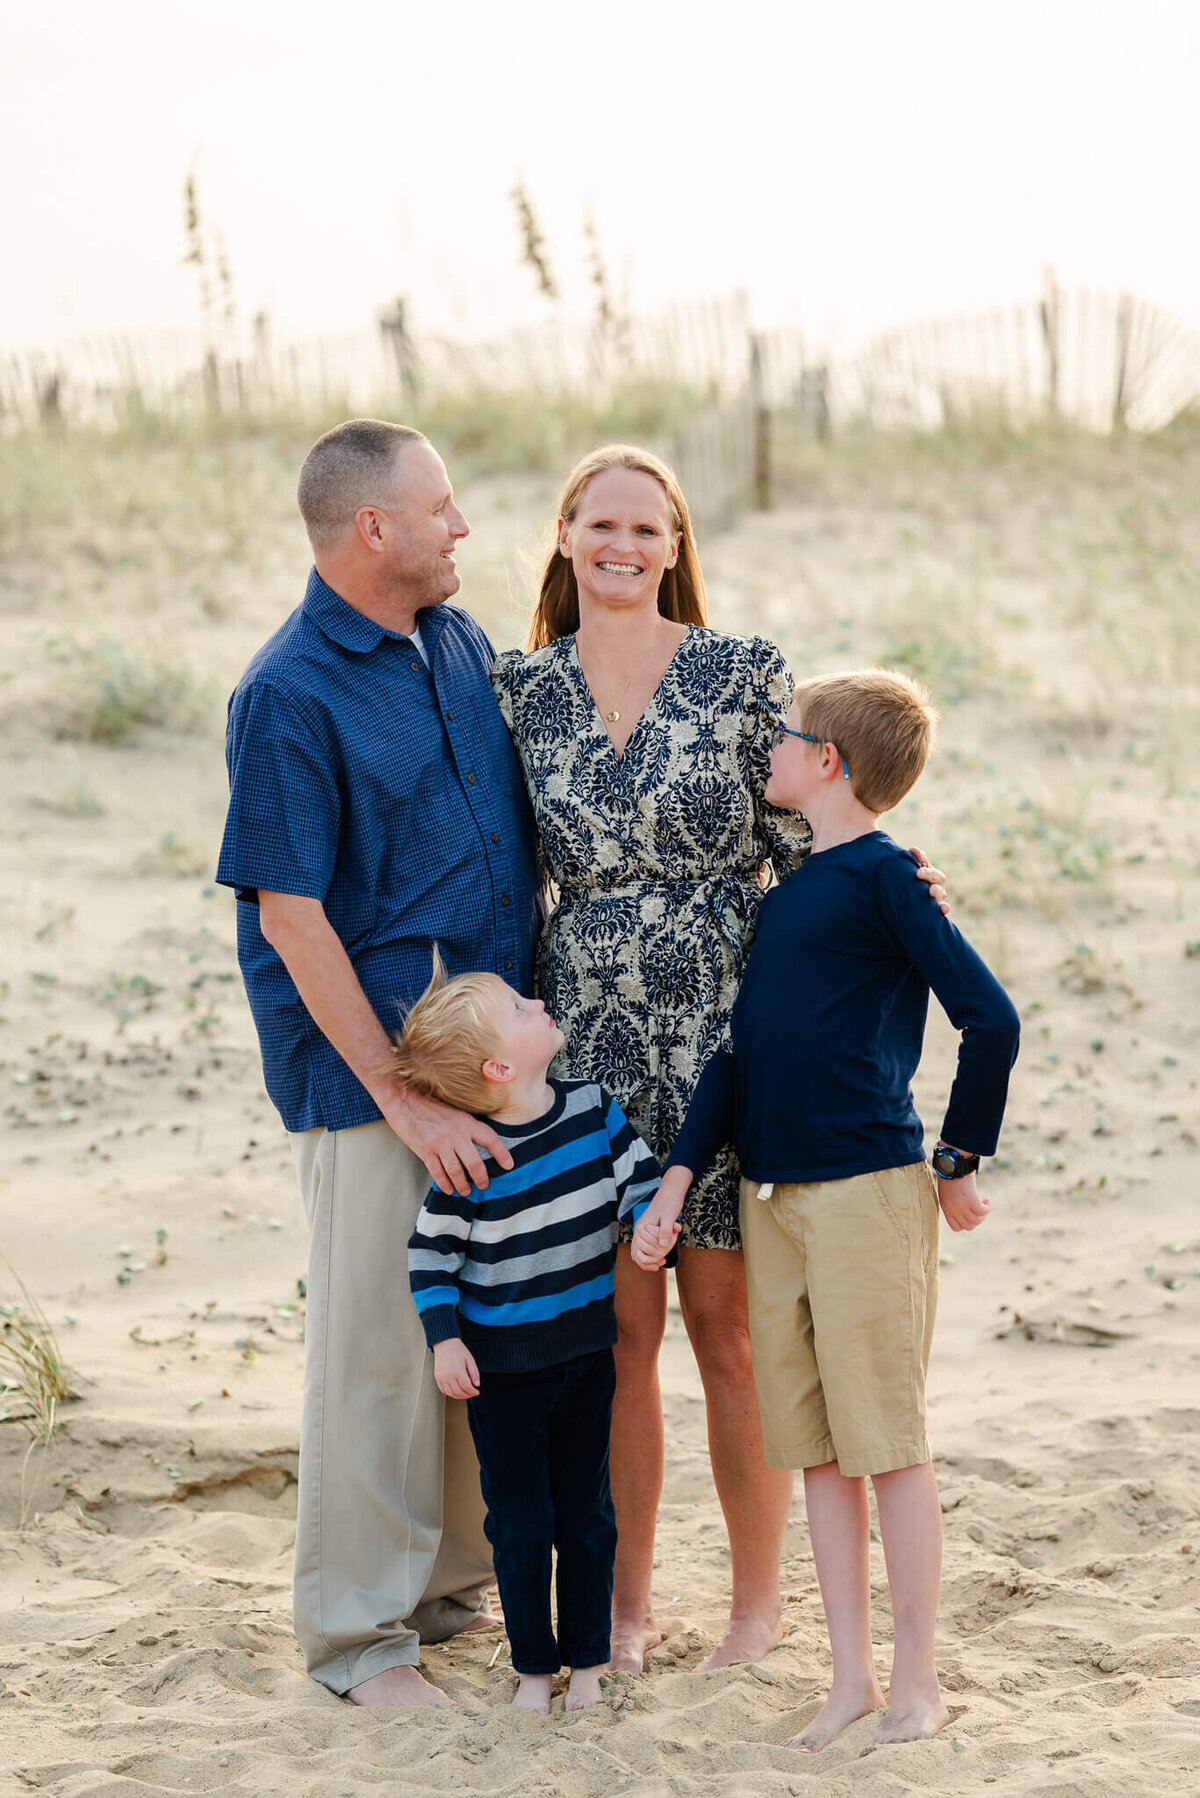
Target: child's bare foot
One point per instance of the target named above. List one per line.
(397, 1686)
(632, 1640)
(533, 1693)
(746, 1639)
(485, 1620)
(915, 1723)
(839, 1711)
(584, 1689)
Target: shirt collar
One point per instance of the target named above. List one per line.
(343, 624)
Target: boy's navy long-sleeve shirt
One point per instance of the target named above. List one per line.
(828, 1024)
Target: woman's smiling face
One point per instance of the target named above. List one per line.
(621, 538)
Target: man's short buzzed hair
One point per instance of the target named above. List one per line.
(345, 469)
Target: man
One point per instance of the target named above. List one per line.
(376, 807)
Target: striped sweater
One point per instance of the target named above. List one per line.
(523, 1269)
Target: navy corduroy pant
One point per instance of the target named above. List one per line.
(542, 1442)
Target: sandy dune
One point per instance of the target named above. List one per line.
(145, 1641)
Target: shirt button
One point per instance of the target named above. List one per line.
(450, 717)
(415, 666)
(470, 780)
(507, 963)
(504, 899)
(495, 836)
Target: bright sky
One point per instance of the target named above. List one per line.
(852, 163)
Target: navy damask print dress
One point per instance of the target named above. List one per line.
(655, 855)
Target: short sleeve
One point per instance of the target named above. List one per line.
(504, 672)
(784, 835)
(281, 831)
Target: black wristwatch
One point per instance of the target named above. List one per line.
(952, 1164)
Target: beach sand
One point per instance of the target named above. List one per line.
(148, 1199)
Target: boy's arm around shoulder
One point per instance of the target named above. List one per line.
(972, 998)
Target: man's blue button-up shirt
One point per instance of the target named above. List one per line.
(389, 791)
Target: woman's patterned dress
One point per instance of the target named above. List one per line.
(656, 856)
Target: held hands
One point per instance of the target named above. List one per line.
(448, 1142)
(936, 879)
(657, 1230)
(963, 1206)
(454, 1369)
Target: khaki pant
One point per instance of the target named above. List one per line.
(390, 1548)
(842, 1279)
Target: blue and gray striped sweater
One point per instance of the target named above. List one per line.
(523, 1270)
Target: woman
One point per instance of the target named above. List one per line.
(644, 739)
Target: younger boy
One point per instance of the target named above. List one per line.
(514, 1286)
(838, 1205)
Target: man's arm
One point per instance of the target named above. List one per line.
(448, 1142)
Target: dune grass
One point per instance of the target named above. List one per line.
(33, 1376)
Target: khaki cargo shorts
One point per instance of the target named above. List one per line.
(842, 1276)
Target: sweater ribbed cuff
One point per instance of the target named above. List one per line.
(440, 1324)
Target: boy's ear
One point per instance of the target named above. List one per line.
(499, 1071)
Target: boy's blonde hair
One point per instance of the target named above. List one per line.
(882, 723)
(448, 1035)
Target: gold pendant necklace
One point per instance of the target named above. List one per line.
(614, 717)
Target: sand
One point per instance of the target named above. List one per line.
(145, 1641)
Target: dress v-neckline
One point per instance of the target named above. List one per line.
(598, 716)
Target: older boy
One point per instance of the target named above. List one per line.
(514, 1287)
(838, 1205)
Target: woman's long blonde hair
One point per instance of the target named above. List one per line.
(681, 593)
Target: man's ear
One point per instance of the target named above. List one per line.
(366, 523)
(499, 1071)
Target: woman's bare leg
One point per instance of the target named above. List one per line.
(755, 1498)
(636, 1457)
(839, 1524)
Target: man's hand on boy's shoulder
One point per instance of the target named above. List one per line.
(455, 1369)
(936, 879)
(963, 1205)
(454, 1145)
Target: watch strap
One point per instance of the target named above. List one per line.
(960, 1165)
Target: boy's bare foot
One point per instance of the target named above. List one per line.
(746, 1639)
(631, 1642)
(839, 1711)
(484, 1620)
(584, 1689)
(397, 1686)
(916, 1723)
(533, 1693)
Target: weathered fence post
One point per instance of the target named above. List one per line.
(1049, 314)
(761, 415)
(394, 326)
(814, 399)
(1121, 390)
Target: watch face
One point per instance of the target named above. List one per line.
(945, 1163)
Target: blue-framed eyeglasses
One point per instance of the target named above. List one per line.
(783, 730)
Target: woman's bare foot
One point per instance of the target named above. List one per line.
(631, 1642)
(916, 1723)
(839, 1711)
(397, 1686)
(533, 1693)
(746, 1639)
(584, 1689)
